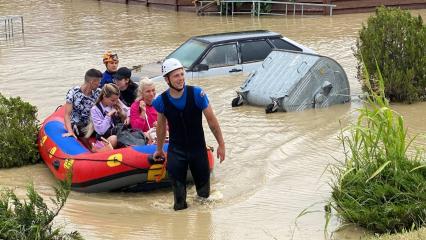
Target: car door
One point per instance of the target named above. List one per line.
(253, 53)
(221, 59)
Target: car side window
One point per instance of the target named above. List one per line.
(254, 51)
(222, 55)
(282, 44)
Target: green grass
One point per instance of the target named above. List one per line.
(379, 186)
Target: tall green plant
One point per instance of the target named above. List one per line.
(379, 186)
(32, 219)
(18, 132)
(398, 42)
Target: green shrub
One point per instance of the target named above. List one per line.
(398, 42)
(379, 186)
(18, 132)
(264, 8)
(32, 219)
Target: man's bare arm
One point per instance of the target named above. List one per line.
(67, 120)
(215, 128)
(161, 131)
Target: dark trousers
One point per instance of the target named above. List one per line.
(179, 159)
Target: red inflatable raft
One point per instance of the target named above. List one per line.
(119, 169)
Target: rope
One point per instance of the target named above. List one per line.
(98, 160)
(58, 107)
(146, 118)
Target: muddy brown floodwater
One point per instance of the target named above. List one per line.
(275, 163)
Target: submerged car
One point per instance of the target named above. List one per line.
(226, 53)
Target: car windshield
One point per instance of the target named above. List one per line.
(189, 52)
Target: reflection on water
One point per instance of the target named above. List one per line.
(274, 162)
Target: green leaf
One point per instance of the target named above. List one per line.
(379, 170)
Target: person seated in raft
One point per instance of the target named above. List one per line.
(127, 87)
(110, 60)
(106, 114)
(79, 101)
(143, 116)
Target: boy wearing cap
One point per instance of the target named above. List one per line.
(110, 60)
(182, 107)
(128, 88)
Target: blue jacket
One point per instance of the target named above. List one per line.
(106, 78)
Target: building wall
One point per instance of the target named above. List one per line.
(355, 6)
(178, 5)
(343, 6)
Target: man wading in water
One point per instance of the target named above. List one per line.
(182, 106)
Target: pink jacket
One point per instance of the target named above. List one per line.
(138, 122)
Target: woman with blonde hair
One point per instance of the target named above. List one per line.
(143, 116)
(107, 113)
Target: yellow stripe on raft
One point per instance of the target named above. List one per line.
(43, 139)
(154, 171)
(115, 160)
(52, 152)
(68, 163)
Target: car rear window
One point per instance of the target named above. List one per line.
(254, 51)
(282, 44)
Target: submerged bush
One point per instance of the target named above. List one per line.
(397, 41)
(32, 219)
(379, 186)
(18, 132)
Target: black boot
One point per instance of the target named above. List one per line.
(179, 192)
(203, 190)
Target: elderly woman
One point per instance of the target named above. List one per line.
(143, 116)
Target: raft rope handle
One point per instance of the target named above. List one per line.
(163, 169)
(58, 107)
(157, 177)
(95, 160)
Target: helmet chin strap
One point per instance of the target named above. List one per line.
(173, 87)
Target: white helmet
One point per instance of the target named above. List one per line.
(170, 65)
